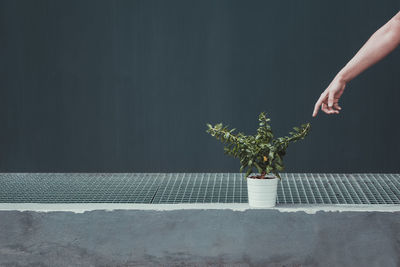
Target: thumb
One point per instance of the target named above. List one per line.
(331, 98)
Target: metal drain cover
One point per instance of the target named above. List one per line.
(294, 188)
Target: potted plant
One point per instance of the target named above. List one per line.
(261, 152)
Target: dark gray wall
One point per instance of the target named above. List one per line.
(128, 86)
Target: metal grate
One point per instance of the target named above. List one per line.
(295, 188)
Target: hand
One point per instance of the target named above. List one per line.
(329, 99)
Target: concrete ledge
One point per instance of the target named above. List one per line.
(83, 207)
(199, 237)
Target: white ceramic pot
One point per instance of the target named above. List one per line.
(262, 192)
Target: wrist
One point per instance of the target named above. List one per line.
(342, 78)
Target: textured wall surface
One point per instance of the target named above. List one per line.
(202, 237)
(128, 86)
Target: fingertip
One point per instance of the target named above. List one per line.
(315, 111)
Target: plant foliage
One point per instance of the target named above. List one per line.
(261, 152)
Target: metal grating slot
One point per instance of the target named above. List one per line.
(294, 188)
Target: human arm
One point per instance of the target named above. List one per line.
(379, 45)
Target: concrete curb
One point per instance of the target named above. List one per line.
(83, 207)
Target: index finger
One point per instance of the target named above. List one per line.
(318, 105)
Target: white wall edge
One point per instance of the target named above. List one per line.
(83, 207)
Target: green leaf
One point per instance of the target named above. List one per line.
(271, 155)
(258, 167)
(279, 167)
(248, 172)
(268, 169)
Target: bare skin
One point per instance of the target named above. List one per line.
(379, 45)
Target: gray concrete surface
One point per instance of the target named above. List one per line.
(199, 238)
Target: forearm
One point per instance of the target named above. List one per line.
(380, 44)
